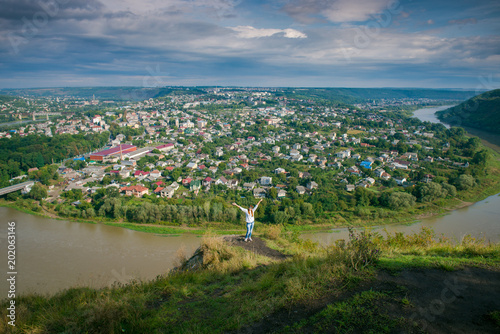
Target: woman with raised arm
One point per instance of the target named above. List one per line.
(250, 218)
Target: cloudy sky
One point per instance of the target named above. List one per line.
(319, 43)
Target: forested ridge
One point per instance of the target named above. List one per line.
(481, 112)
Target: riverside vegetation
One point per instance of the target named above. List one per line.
(368, 283)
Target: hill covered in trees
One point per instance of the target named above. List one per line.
(481, 112)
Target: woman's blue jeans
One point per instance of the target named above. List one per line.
(249, 230)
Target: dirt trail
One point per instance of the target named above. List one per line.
(257, 245)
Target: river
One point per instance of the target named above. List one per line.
(479, 220)
(429, 114)
(52, 255)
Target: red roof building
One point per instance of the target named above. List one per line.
(137, 191)
(114, 151)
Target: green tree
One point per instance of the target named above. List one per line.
(280, 217)
(480, 158)
(429, 192)
(465, 182)
(399, 200)
(451, 191)
(38, 192)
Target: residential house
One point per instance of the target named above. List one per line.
(266, 181)
(158, 190)
(248, 185)
(221, 181)
(281, 193)
(137, 191)
(207, 181)
(354, 170)
(343, 154)
(279, 170)
(400, 180)
(187, 181)
(139, 174)
(192, 165)
(301, 190)
(304, 175)
(366, 164)
(232, 184)
(195, 185)
(312, 185)
(321, 162)
(155, 174)
(167, 192)
(427, 178)
(259, 193)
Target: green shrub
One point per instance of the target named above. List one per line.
(359, 252)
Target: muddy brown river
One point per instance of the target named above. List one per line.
(52, 255)
(480, 220)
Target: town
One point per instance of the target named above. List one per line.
(183, 157)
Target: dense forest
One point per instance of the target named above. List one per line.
(481, 112)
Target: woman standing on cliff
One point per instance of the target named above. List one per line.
(250, 219)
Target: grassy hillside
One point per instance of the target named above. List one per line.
(409, 284)
(481, 112)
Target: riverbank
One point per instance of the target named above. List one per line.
(489, 185)
(398, 284)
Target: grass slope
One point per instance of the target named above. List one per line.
(367, 284)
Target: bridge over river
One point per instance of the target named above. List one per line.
(26, 186)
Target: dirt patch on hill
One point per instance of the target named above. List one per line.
(257, 245)
(429, 301)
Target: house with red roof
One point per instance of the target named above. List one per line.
(186, 181)
(158, 190)
(139, 174)
(207, 181)
(137, 191)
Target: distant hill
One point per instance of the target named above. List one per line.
(481, 112)
(342, 95)
(360, 95)
(102, 93)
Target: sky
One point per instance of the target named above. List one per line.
(258, 43)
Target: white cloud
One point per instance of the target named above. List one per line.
(339, 11)
(251, 32)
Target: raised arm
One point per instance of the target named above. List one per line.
(242, 209)
(255, 208)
